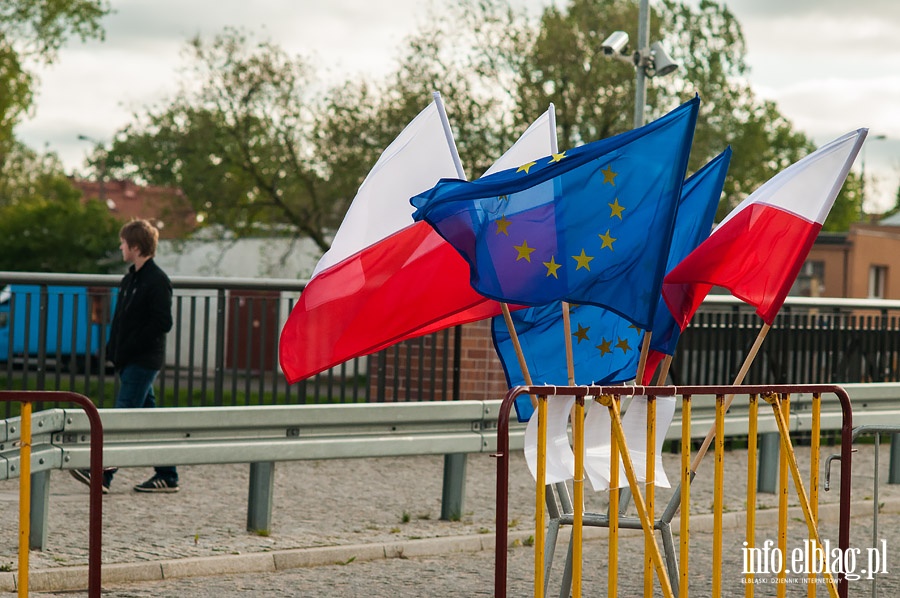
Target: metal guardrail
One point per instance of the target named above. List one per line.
(260, 436)
(223, 348)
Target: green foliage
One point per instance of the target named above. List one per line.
(44, 227)
(258, 144)
(62, 235)
(31, 32)
(240, 143)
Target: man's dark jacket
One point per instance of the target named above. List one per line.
(142, 319)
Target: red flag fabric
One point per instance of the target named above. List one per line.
(758, 250)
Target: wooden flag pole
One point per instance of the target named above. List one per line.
(518, 347)
(730, 398)
(567, 328)
(642, 362)
(664, 371)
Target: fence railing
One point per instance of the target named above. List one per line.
(222, 350)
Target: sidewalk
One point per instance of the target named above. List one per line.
(328, 512)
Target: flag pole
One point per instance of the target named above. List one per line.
(449, 133)
(642, 362)
(567, 330)
(730, 398)
(520, 355)
(664, 371)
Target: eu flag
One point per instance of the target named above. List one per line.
(700, 198)
(589, 226)
(606, 347)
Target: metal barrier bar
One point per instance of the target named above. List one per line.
(685, 494)
(718, 495)
(785, 412)
(539, 500)
(750, 533)
(95, 524)
(814, 445)
(24, 497)
(607, 397)
(614, 509)
(650, 489)
(578, 496)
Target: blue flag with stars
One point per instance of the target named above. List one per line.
(699, 200)
(589, 226)
(605, 347)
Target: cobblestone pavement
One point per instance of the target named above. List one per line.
(364, 502)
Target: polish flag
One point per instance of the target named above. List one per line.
(758, 250)
(386, 278)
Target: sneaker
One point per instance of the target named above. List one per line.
(84, 476)
(157, 484)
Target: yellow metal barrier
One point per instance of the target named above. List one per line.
(644, 496)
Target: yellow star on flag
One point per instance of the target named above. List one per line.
(584, 261)
(524, 251)
(616, 209)
(609, 176)
(503, 225)
(557, 157)
(552, 267)
(607, 240)
(605, 347)
(526, 167)
(623, 344)
(581, 333)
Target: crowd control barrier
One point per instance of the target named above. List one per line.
(671, 566)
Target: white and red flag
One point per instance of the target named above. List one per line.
(387, 278)
(757, 251)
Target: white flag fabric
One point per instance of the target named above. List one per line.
(597, 441)
(560, 457)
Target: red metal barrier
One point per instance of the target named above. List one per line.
(96, 490)
(500, 565)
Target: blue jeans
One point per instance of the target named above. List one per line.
(136, 392)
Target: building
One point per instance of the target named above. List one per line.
(861, 263)
(166, 207)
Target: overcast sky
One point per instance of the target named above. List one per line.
(831, 65)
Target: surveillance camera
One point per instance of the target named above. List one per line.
(615, 43)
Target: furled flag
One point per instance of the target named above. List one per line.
(590, 225)
(385, 277)
(757, 251)
(606, 347)
(699, 198)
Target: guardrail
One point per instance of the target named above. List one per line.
(259, 436)
(264, 435)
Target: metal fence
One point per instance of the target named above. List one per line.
(223, 346)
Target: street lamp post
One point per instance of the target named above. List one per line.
(648, 60)
(862, 175)
(640, 74)
(101, 170)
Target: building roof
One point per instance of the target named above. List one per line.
(165, 207)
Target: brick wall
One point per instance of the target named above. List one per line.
(415, 371)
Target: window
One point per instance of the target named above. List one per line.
(811, 280)
(877, 281)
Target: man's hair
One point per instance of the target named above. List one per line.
(142, 235)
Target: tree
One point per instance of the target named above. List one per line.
(241, 144)
(44, 226)
(31, 32)
(261, 142)
(557, 59)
